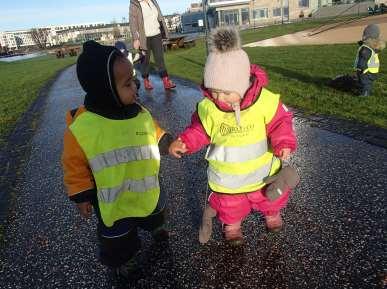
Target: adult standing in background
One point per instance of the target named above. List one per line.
(148, 29)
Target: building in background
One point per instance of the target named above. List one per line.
(173, 22)
(268, 11)
(15, 40)
(257, 12)
(66, 34)
(231, 12)
(251, 13)
(195, 7)
(104, 33)
(7, 41)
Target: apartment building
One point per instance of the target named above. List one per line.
(7, 40)
(106, 33)
(57, 35)
(258, 12)
(281, 10)
(16, 39)
(173, 22)
(232, 12)
(195, 7)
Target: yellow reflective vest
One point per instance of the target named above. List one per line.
(239, 156)
(125, 160)
(373, 63)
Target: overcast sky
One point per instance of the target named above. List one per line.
(22, 14)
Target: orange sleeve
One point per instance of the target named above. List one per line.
(159, 131)
(77, 174)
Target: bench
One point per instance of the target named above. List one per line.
(173, 43)
(189, 43)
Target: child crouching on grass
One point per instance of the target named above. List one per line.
(248, 130)
(367, 62)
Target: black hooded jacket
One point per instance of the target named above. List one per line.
(95, 74)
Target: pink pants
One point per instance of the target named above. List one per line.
(232, 209)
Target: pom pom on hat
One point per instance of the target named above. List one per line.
(228, 66)
(224, 40)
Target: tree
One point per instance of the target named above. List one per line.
(116, 32)
(40, 36)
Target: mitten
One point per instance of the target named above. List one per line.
(287, 178)
(205, 230)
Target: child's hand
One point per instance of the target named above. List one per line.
(284, 154)
(85, 209)
(177, 148)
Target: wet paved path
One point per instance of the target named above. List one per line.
(335, 234)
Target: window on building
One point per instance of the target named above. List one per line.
(245, 16)
(286, 12)
(261, 13)
(229, 17)
(276, 12)
(303, 3)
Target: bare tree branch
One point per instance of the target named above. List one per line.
(40, 36)
(116, 32)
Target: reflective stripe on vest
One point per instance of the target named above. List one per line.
(239, 156)
(373, 63)
(124, 155)
(125, 161)
(139, 186)
(237, 181)
(236, 154)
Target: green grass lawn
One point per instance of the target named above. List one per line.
(300, 74)
(20, 82)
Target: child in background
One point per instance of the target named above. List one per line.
(367, 59)
(248, 131)
(111, 158)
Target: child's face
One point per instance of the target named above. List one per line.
(123, 76)
(228, 97)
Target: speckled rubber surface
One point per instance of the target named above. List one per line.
(334, 233)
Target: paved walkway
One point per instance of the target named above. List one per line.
(335, 222)
(346, 33)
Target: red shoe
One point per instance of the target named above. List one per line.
(147, 84)
(168, 84)
(274, 223)
(233, 235)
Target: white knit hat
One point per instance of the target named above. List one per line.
(227, 66)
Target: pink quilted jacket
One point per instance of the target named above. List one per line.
(279, 131)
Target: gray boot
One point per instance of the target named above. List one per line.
(205, 230)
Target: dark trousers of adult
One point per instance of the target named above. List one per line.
(119, 243)
(154, 44)
(366, 82)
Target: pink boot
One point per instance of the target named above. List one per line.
(147, 84)
(233, 234)
(274, 223)
(168, 84)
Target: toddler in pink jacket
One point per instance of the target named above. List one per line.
(248, 132)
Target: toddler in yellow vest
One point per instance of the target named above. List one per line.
(248, 132)
(111, 158)
(367, 59)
